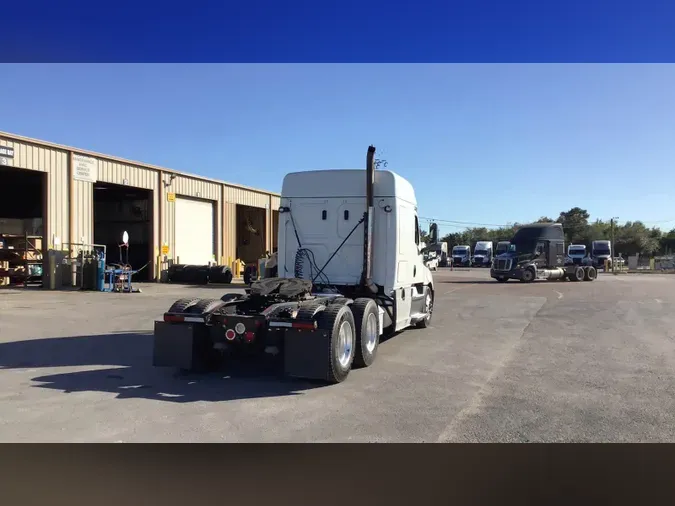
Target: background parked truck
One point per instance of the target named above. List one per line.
(482, 254)
(601, 251)
(441, 251)
(538, 252)
(461, 255)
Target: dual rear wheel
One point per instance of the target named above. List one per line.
(354, 336)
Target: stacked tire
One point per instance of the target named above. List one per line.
(199, 274)
(220, 274)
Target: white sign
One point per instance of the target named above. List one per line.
(3, 161)
(85, 168)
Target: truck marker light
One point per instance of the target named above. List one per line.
(239, 328)
(230, 335)
(305, 325)
(250, 336)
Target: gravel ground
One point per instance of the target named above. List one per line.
(509, 362)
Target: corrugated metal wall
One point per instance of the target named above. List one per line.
(55, 163)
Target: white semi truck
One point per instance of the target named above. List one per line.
(441, 251)
(350, 271)
(461, 255)
(601, 251)
(482, 254)
(576, 254)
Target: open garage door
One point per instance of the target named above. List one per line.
(195, 242)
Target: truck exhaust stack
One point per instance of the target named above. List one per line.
(367, 278)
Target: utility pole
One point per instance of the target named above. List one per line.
(612, 221)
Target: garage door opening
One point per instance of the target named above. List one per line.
(195, 231)
(22, 209)
(118, 209)
(251, 233)
(275, 230)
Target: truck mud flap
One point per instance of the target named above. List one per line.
(179, 345)
(307, 354)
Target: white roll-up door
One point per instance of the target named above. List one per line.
(194, 231)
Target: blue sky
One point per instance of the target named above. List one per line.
(489, 143)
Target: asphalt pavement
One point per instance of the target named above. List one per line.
(513, 362)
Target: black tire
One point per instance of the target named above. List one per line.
(365, 310)
(577, 274)
(309, 311)
(205, 306)
(424, 323)
(176, 273)
(220, 274)
(528, 275)
(250, 274)
(502, 279)
(341, 301)
(202, 275)
(590, 273)
(331, 319)
(182, 305)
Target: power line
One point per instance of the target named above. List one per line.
(464, 223)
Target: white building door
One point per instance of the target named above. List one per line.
(194, 231)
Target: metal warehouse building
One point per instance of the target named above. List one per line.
(58, 198)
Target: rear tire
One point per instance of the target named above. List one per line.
(205, 306)
(590, 274)
(339, 322)
(577, 274)
(366, 318)
(182, 305)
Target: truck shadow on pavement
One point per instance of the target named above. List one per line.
(134, 376)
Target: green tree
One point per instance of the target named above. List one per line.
(633, 238)
(667, 243)
(575, 223)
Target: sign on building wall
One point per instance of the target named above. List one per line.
(6, 151)
(171, 197)
(85, 168)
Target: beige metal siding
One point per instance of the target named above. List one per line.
(246, 197)
(83, 212)
(190, 187)
(229, 231)
(55, 163)
(127, 175)
(55, 160)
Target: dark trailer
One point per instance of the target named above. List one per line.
(537, 251)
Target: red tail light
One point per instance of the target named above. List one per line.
(304, 325)
(168, 318)
(249, 336)
(230, 335)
